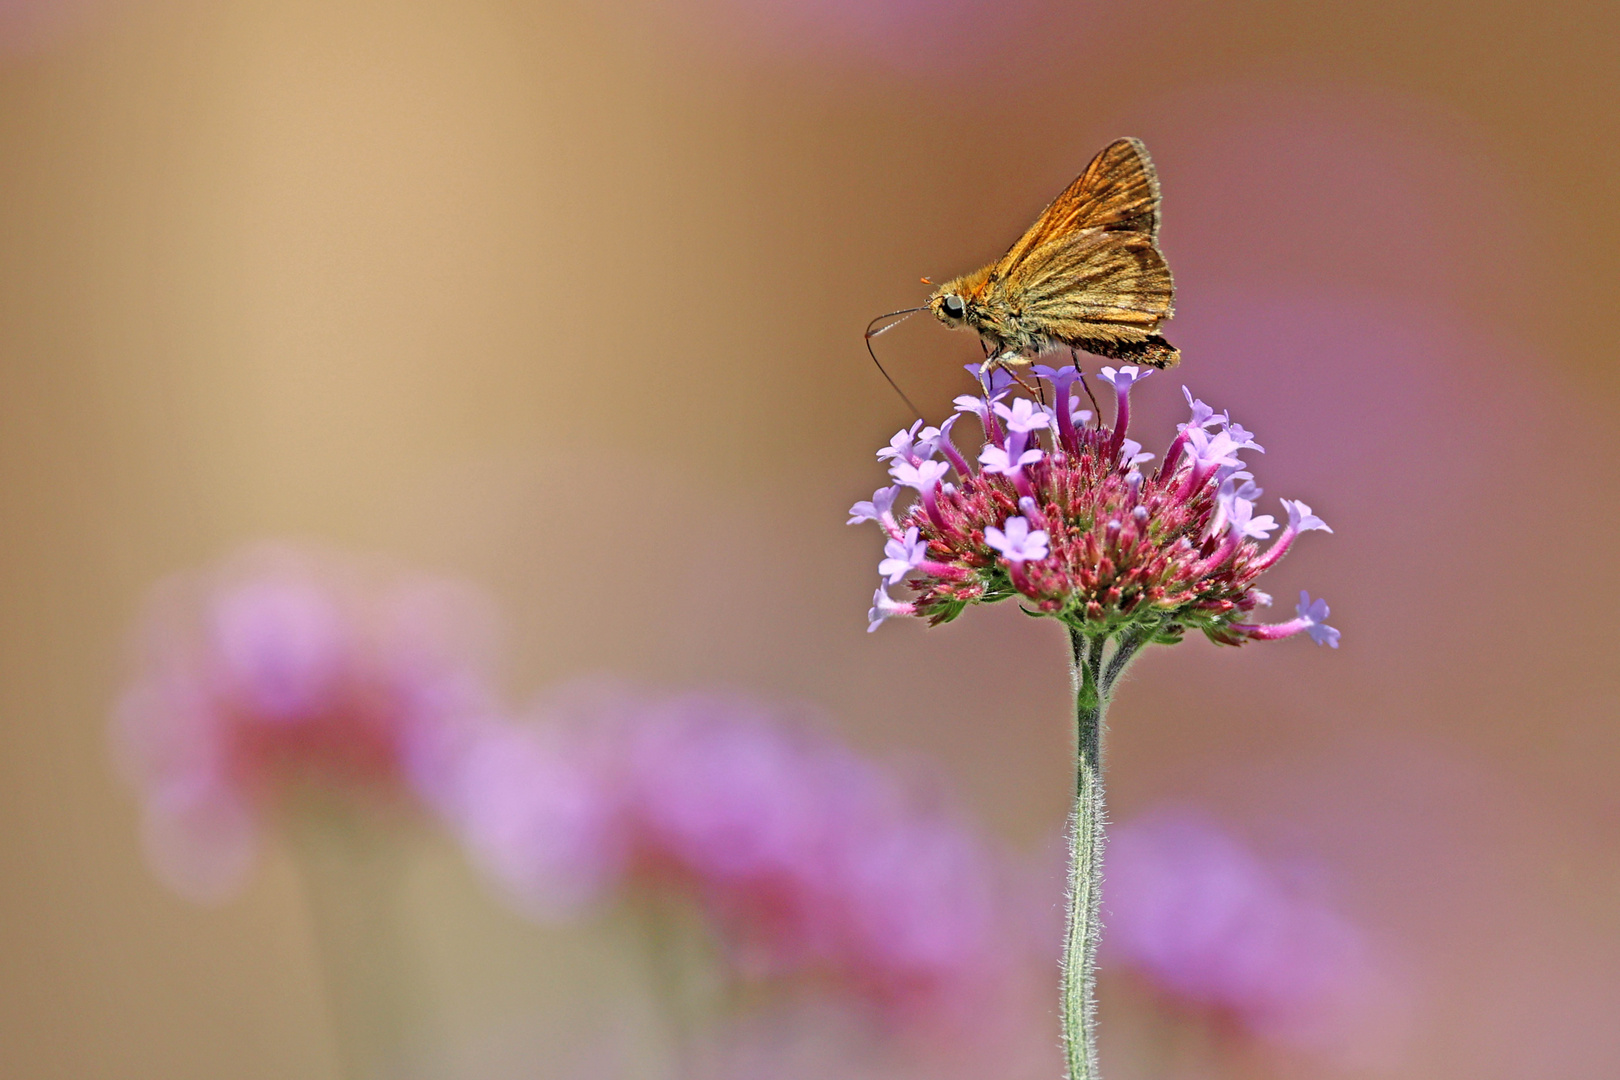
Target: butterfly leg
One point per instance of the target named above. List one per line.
(1096, 410)
(1007, 362)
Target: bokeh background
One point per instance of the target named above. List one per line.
(566, 299)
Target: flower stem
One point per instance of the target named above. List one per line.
(352, 878)
(1091, 686)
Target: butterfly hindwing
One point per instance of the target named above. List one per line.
(1093, 284)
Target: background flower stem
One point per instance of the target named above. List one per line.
(352, 876)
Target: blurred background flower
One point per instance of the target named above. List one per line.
(809, 863)
(290, 674)
(1215, 931)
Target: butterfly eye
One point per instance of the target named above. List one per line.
(953, 306)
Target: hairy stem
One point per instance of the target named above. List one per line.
(1085, 856)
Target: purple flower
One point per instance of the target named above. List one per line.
(1300, 518)
(1023, 416)
(1241, 521)
(1202, 415)
(1120, 551)
(1210, 452)
(287, 668)
(1130, 452)
(901, 555)
(1214, 928)
(1001, 461)
(1077, 415)
(1310, 617)
(996, 381)
(885, 607)
(1314, 614)
(912, 445)
(1016, 542)
(1242, 438)
(805, 858)
(971, 403)
(1061, 378)
(924, 476)
(879, 509)
(1124, 378)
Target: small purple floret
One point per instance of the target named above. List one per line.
(1314, 614)
(901, 555)
(1016, 541)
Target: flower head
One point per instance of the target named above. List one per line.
(1063, 517)
(806, 858)
(1214, 928)
(287, 672)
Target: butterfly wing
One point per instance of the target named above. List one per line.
(1118, 191)
(1089, 269)
(1093, 285)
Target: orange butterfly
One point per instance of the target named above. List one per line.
(1087, 275)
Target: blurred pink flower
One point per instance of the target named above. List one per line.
(809, 859)
(1210, 925)
(285, 668)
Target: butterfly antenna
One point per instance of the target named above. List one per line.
(896, 318)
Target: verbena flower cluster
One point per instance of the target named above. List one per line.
(289, 672)
(1069, 516)
(809, 859)
(1216, 929)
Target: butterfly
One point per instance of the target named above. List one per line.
(1087, 275)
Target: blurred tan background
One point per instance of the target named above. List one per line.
(567, 299)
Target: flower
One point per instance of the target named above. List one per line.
(1213, 927)
(884, 607)
(1300, 518)
(1314, 613)
(901, 555)
(911, 445)
(1063, 517)
(1202, 415)
(288, 671)
(878, 509)
(1005, 462)
(924, 476)
(806, 858)
(1023, 416)
(1016, 542)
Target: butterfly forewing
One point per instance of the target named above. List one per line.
(1088, 267)
(1118, 191)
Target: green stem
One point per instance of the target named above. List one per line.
(1091, 685)
(352, 880)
